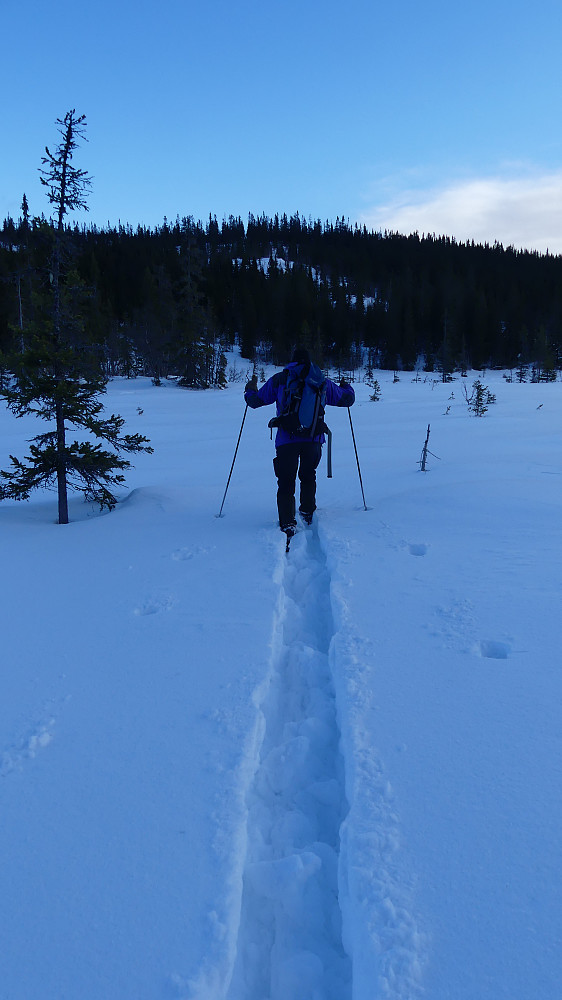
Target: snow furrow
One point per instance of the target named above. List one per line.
(290, 937)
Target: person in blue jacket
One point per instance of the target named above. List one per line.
(293, 452)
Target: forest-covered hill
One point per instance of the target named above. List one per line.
(169, 300)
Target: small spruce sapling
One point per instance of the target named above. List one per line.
(376, 393)
(479, 399)
(368, 377)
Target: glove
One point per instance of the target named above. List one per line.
(252, 385)
(347, 400)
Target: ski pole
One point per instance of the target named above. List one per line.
(357, 459)
(233, 461)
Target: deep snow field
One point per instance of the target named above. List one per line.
(231, 774)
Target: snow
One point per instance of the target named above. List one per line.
(231, 774)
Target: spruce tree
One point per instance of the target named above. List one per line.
(478, 400)
(56, 377)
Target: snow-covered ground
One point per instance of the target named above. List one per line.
(231, 774)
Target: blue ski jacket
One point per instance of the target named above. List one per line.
(273, 391)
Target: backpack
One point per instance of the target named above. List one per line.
(303, 404)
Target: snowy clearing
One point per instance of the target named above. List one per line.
(231, 774)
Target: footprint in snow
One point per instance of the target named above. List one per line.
(418, 550)
(13, 758)
(182, 555)
(494, 650)
(153, 606)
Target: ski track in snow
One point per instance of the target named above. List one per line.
(290, 935)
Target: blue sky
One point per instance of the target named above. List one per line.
(436, 117)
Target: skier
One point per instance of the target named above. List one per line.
(296, 451)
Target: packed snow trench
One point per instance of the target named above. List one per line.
(290, 937)
(324, 915)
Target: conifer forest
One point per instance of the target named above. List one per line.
(168, 301)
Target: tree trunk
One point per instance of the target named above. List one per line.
(423, 462)
(61, 466)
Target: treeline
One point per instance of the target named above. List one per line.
(170, 300)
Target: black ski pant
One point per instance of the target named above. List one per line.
(304, 458)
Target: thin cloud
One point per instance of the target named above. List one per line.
(525, 213)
